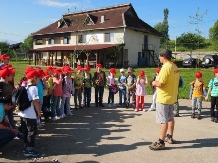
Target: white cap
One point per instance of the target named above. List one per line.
(122, 70)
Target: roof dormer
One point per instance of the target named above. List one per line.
(88, 20)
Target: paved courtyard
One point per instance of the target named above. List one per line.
(98, 135)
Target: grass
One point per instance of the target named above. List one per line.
(188, 75)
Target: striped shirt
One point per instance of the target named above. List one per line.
(213, 84)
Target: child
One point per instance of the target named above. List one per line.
(122, 87)
(57, 93)
(68, 89)
(29, 115)
(87, 86)
(131, 87)
(213, 92)
(140, 90)
(111, 82)
(196, 93)
(153, 105)
(78, 80)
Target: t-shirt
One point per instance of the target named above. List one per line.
(169, 76)
(213, 84)
(110, 78)
(2, 112)
(57, 91)
(30, 112)
(122, 80)
(78, 79)
(40, 89)
(198, 87)
(131, 80)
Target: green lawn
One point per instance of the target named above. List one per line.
(188, 75)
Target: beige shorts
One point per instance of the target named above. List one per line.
(164, 112)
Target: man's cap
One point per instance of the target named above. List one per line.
(130, 69)
(166, 53)
(32, 74)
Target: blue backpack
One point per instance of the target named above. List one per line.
(181, 82)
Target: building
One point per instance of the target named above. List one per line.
(112, 36)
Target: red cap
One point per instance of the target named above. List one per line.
(32, 74)
(79, 67)
(158, 70)
(141, 73)
(41, 72)
(67, 69)
(215, 70)
(49, 68)
(10, 68)
(5, 72)
(198, 75)
(4, 56)
(87, 68)
(58, 71)
(28, 69)
(99, 65)
(113, 71)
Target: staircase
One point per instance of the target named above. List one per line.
(150, 50)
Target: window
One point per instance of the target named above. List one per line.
(66, 40)
(109, 37)
(81, 39)
(51, 41)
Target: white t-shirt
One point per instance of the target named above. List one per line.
(30, 112)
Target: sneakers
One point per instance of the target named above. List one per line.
(151, 109)
(193, 116)
(144, 110)
(109, 105)
(40, 125)
(31, 152)
(199, 117)
(113, 105)
(136, 110)
(157, 146)
(54, 119)
(215, 120)
(176, 114)
(62, 116)
(70, 114)
(169, 140)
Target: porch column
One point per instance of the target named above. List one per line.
(48, 64)
(34, 54)
(87, 58)
(52, 59)
(96, 56)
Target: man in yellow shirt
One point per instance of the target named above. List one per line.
(167, 91)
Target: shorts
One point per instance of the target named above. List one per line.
(164, 112)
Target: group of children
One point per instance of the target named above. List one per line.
(50, 91)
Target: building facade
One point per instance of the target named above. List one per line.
(112, 36)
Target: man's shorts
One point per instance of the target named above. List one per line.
(164, 112)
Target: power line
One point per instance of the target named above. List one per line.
(12, 34)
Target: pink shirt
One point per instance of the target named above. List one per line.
(140, 88)
(57, 91)
(111, 80)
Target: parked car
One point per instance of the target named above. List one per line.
(191, 62)
(210, 61)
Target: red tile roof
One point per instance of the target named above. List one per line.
(74, 47)
(115, 17)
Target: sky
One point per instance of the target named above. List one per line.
(20, 18)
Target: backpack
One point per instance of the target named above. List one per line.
(181, 82)
(20, 98)
(5, 99)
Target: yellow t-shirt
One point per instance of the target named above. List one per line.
(169, 76)
(78, 80)
(198, 88)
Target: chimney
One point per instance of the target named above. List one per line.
(102, 19)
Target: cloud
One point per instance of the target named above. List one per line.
(53, 3)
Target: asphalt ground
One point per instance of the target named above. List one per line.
(104, 135)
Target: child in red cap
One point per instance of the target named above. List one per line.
(140, 90)
(111, 83)
(196, 94)
(87, 86)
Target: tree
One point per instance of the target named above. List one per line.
(163, 28)
(213, 35)
(27, 45)
(191, 41)
(4, 46)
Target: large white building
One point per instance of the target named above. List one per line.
(114, 35)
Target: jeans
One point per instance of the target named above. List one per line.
(214, 102)
(99, 91)
(29, 128)
(78, 94)
(63, 101)
(6, 136)
(87, 96)
(110, 96)
(55, 110)
(122, 92)
(198, 101)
